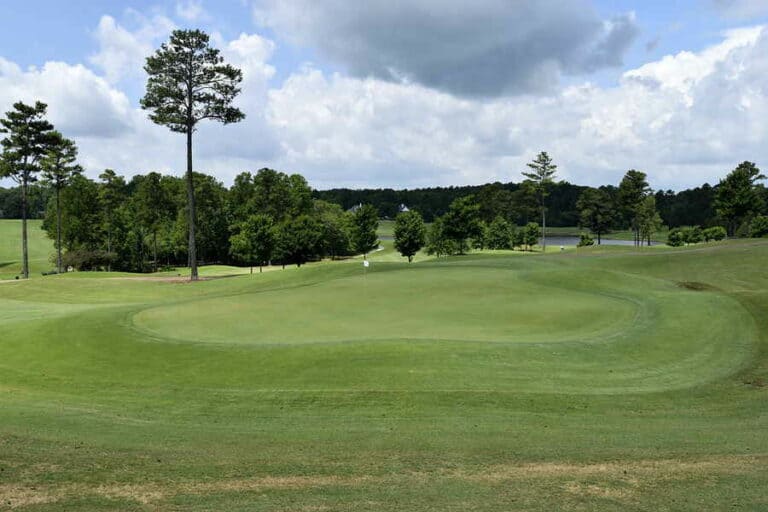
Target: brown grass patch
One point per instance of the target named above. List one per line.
(597, 491)
(657, 469)
(626, 477)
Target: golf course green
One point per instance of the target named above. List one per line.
(598, 379)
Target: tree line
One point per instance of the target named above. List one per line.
(140, 225)
(738, 205)
(694, 206)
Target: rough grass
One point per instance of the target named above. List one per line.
(575, 381)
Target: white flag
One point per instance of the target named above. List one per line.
(366, 263)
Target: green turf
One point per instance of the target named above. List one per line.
(40, 248)
(601, 379)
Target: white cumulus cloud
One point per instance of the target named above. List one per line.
(122, 52)
(685, 119)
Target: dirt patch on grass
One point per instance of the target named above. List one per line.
(654, 468)
(18, 496)
(757, 382)
(696, 286)
(614, 493)
(620, 480)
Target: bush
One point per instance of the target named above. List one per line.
(531, 234)
(87, 260)
(501, 234)
(693, 235)
(585, 240)
(675, 238)
(715, 233)
(758, 228)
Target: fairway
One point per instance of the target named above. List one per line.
(40, 248)
(602, 379)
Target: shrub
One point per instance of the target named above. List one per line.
(758, 228)
(531, 234)
(585, 240)
(693, 235)
(675, 238)
(501, 234)
(716, 233)
(87, 260)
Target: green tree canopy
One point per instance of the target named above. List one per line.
(298, 240)
(648, 219)
(365, 222)
(501, 234)
(254, 240)
(632, 191)
(596, 211)
(737, 197)
(336, 227)
(462, 222)
(410, 233)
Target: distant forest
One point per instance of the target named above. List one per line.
(690, 207)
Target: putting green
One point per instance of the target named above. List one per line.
(450, 304)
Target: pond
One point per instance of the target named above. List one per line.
(565, 241)
(574, 240)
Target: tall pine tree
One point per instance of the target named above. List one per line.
(188, 83)
(29, 136)
(541, 177)
(59, 167)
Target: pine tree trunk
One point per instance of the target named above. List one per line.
(191, 209)
(109, 247)
(154, 251)
(24, 246)
(58, 230)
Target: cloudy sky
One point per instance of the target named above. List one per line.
(409, 93)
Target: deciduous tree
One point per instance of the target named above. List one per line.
(596, 212)
(462, 222)
(254, 240)
(501, 234)
(364, 225)
(648, 219)
(737, 198)
(410, 233)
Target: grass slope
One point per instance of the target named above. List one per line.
(40, 248)
(602, 379)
